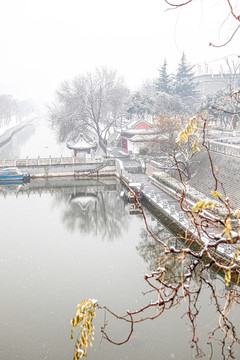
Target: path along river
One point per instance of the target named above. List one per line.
(65, 241)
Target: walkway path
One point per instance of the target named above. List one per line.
(160, 199)
(169, 206)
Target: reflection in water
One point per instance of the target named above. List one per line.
(46, 270)
(155, 256)
(180, 280)
(152, 252)
(99, 213)
(11, 187)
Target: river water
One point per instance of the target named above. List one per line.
(61, 243)
(36, 139)
(66, 240)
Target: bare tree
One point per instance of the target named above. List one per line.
(222, 108)
(91, 102)
(7, 108)
(164, 148)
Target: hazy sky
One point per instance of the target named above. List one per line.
(44, 42)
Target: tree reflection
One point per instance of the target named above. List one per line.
(96, 212)
(154, 254)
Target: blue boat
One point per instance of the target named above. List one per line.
(13, 174)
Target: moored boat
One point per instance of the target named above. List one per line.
(135, 193)
(13, 174)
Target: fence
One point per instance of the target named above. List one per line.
(227, 149)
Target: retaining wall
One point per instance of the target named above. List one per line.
(52, 167)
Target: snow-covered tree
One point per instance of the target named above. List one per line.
(171, 105)
(223, 108)
(140, 105)
(164, 81)
(89, 102)
(184, 84)
(7, 108)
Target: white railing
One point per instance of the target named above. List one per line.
(227, 149)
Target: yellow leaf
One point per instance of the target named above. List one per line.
(216, 193)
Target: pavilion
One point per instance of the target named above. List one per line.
(83, 147)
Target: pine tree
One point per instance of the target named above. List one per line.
(163, 82)
(184, 84)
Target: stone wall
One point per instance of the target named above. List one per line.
(105, 167)
(228, 173)
(211, 83)
(202, 179)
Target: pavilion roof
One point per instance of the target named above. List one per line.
(136, 124)
(83, 143)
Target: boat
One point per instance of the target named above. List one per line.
(135, 193)
(134, 209)
(13, 174)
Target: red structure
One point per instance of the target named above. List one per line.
(135, 128)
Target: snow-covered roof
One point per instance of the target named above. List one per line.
(146, 137)
(82, 144)
(139, 131)
(134, 123)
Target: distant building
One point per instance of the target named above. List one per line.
(211, 83)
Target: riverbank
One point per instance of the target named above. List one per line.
(164, 200)
(7, 131)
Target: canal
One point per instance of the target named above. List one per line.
(66, 240)
(62, 242)
(35, 139)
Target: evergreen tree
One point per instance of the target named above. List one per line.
(163, 82)
(184, 84)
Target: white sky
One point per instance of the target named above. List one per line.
(44, 42)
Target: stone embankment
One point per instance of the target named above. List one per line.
(7, 135)
(226, 166)
(62, 166)
(164, 200)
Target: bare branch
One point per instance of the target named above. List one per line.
(228, 41)
(178, 5)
